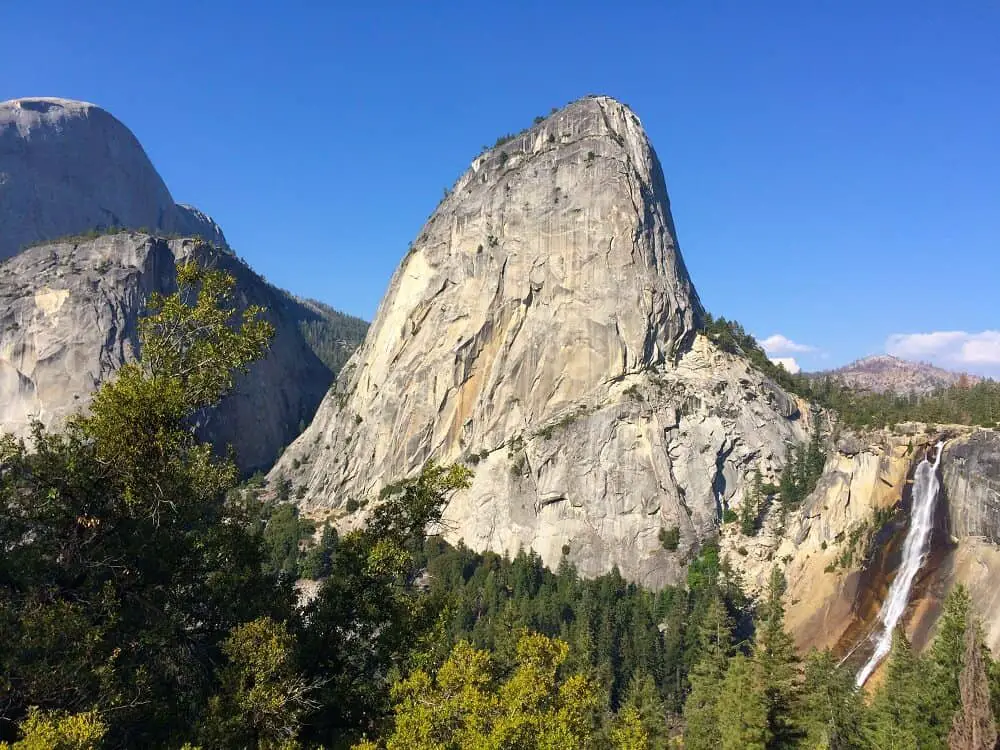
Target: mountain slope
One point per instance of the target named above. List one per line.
(68, 320)
(883, 373)
(331, 334)
(543, 326)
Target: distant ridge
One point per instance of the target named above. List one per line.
(883, 373)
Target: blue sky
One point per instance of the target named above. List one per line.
(834, 167)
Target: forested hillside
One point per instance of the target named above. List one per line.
(333, 335)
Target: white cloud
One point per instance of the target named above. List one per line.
(956, 350)
(778, 344)
(788, 363)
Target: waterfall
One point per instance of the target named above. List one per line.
(925, 492)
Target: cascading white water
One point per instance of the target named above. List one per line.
(925, 492)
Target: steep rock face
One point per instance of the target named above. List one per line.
(839, 559)
(68, 167)
(823, 545)
(971, 479)
(543, 326)
(68, 320)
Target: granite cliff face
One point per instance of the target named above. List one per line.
(68, 320)
(839, 551)
(971, 478)
(543, 327)
(68, 167)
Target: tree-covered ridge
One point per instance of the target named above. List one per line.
(617, 630)
(331, 334)
(975, 404)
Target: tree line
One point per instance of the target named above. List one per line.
(977, 404)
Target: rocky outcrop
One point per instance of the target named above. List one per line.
(69, 167)
(840, 550)
(68, 320)
(824, 544)
(970, 469)
(543, 327)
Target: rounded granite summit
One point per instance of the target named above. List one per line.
(543, 328)
(68, 167)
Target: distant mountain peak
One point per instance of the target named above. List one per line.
(884, 373)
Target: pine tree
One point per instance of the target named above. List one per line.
(832, 711)
(741, 710)
(629, 732)
(974, 727)
(775, 659)
(715, 647)
(642, 698)
(752, 501)
(894, 720)
(947, 655)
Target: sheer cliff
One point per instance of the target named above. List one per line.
(68, 320)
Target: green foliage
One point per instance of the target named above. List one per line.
(57, 730)
(367, 618)
(920, 701)
(467, 704)
(642, 717)
(715, 646)
(832, 710)
(753, 505)
(629, 732)
(262, 697)
(615, 629)
(776, 661)
(741, 711)
(670, 538)
(196, 339)
(803, 468)
(737, 701)
(318, 561)
(332, 335)
(899, 716)
(283, 535)
(125, 567)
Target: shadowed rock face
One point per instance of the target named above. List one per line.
(971, 474)
(68, 167)
(543, 326)
(68, 320)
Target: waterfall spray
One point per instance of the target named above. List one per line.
(925, 492)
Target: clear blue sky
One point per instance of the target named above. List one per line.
(834, 167)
